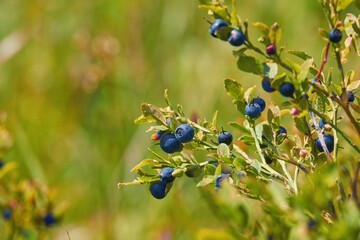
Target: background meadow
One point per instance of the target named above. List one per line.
(73, 75)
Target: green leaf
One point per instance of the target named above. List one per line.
(234, 18)
(329, 76)
(337, 88)
(278, 80)
(142, 119)
(257, 165)
(233, 88)
(248, 140)
(268, 133)
(205, 181)
(249, 92)
(262, 27)
(294, 65)
(155, 128)
(144, 163)
(354, 85)
(300, 125)
(342, 4)
(349, 76)
(250, 65)
(223, 32)
(150, 110)
(319, 104)
(240, 128)
(300, 54)
(240, 163)
(218, 170)
(270, 70)
(304, 69)
(275, 33)
(223, 150)
(240, 106)
(219, 10)
(324, 34)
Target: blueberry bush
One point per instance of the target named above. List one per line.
(27, 206)
(287, 184)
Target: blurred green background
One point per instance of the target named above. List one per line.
(73, 75)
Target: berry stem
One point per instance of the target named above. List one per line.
(323, 61)
(354, 183)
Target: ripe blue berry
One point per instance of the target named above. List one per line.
(253, 110)
(184, 133)
(218, 23)
(266, 85)
(157, 189)
(335, 35)
(1, 163)
(236, 37)
(7, 213)
(49, 219)
(270, 49)
(329, 142)
(169, 143)
(159, 133)
(219, 178)
(350, 96)
(261, 102)
(305, 95)
(281, 130)
(321, 123)
(287, 89)
(225, 137)
(268, 160)
(165, 174)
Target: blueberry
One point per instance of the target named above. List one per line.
(218, 23)
(321, 123)
(335, 35)
(165, 174)
(270, 49)
(169, 143)
(236, 37)
(159, 133)
(7, 213)
(49, 219)
(329, 142)
(253, 110)
(184, 133)
(305, 96)
(219, 178)
(225, 137)
(1, 163)
(266, 85)
(157, 189)
(268, 160)
(287, 89)
(350, 96)
(261, 102)
(281, 130)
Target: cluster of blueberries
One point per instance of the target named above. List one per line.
(172, 142)
(235, 37)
